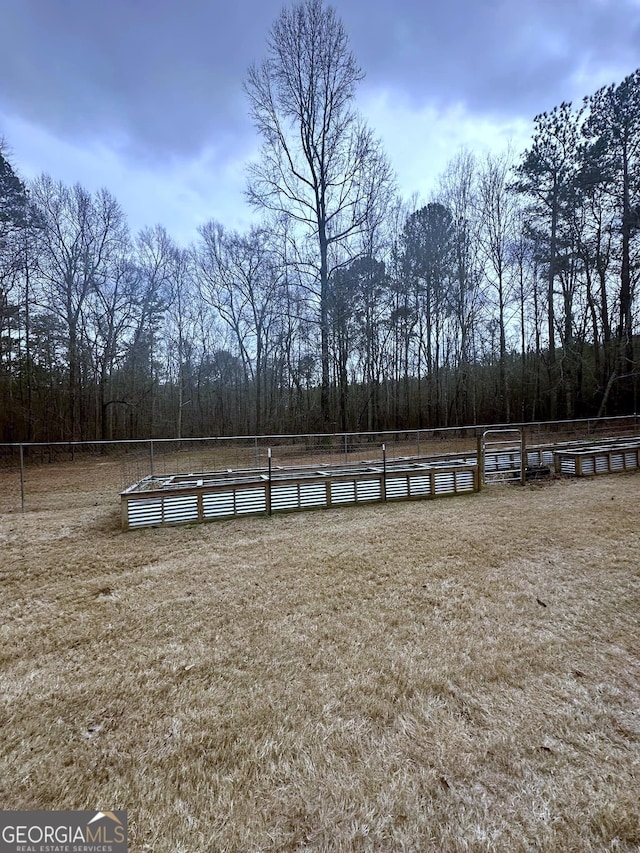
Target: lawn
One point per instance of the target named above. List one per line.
(451, 675)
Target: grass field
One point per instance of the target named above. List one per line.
(455, 675)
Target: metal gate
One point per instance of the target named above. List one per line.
(502, 456)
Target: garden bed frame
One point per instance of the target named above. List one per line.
(193, 498)
(603, 458)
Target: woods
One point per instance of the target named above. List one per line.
(509, 294)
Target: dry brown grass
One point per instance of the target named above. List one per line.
(376, 678)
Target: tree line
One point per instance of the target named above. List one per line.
(510, 295)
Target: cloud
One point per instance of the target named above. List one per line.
(421, 141)
(181, 194)
(165, 75)
(500, 56)
(145, 96)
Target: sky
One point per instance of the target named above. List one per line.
(145, 97)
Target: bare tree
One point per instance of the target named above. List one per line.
(458, 192)
(81, 237)
(499, 220)
(112, 316)
(155, 254)
(181, 330)
(241, 280)
(427, 266)
(319, 165)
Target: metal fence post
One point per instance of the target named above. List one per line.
(151, 455)
(384, 472)
(268, 490)
(22, 478)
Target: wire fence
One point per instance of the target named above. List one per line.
(46, 476)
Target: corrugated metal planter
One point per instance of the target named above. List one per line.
(600, 459)
(180, 499)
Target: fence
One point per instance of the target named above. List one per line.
(48, 476)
